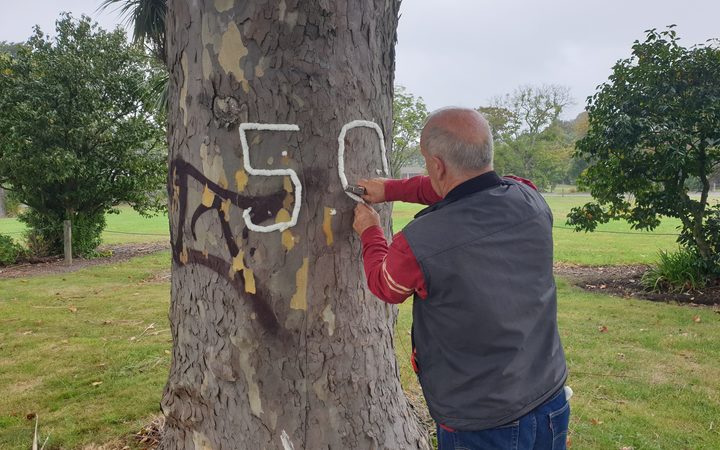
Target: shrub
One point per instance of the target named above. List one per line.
(679, 271)
(9, 251)
(46, 234)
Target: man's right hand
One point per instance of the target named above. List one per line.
(375, 189)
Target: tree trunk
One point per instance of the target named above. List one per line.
(3, 212)
(277, 343)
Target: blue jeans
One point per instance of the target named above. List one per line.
(543, 428)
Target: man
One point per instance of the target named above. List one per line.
(486, 346)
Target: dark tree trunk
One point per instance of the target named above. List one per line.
(277, 341)
(3, 212)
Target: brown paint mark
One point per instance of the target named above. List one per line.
(232, 51)
(327, 226)
(208, 197)
(241, 179)
(299, 300)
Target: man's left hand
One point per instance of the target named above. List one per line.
(365, 217)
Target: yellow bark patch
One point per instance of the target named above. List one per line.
(249, 280)
(327, 226)
(232, 51)
(201, 441)
(208, 197)
(245, 349)
(225, 208)
(206, 64)
(288, 185)
(184, 87)
(299, 300)
(288, 202)
(238, 264)
(241, 179)
(329, 318)
(282, 216)
(224, 5)
(184, 257)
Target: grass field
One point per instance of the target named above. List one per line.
(88, 351)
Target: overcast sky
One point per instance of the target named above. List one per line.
(464, 52)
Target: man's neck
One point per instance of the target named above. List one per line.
(457, 180)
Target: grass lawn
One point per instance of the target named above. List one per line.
(78, 349)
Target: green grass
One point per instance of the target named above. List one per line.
(60, 334)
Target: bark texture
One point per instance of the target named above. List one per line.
(277, 341)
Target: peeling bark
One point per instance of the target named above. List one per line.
(276, 339)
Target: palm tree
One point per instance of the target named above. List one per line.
(148, 22)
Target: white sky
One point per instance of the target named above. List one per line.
(464, 52)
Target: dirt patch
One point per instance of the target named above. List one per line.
(624, 281)
(56, 265)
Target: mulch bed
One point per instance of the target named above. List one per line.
(624, 281)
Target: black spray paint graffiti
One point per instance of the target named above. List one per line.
(262, 209)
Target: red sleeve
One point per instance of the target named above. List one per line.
(412, 190)
(392, 272)
(516, 178)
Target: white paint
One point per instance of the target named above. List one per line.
(341, 152)
(269, 173)
(284, 153)
(333, 212)
(287, 444)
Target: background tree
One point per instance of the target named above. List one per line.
(7, 50)
(409, 114)
(525, 127)
(277, 343)
(77, 134)
(653, 127)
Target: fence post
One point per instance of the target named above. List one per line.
(67, 240)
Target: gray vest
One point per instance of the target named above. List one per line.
(486, 337)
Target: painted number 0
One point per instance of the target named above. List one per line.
(281, 226)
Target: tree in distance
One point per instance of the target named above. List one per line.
(77, 132)
(654, 129)
(409, 114)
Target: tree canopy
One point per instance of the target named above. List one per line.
(409, 114)
(77, 132)
(654, 129)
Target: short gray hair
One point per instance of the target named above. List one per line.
(459, 154)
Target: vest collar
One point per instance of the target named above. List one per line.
(471, 186)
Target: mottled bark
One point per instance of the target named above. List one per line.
(277, 343)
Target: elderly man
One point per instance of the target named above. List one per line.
(478, 261)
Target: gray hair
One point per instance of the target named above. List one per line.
(459, 154)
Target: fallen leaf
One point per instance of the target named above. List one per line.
(30, 416)
(132, 338)
(72, 309)
(167, 352)
(621, 355)
(97, 383)
(603, 329)
(27, 333)
(107, 322)
(697, 319)
(568, 442)
(64, 341)
(627, 448)
(596, 421)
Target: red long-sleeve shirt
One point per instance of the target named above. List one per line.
(393, 274)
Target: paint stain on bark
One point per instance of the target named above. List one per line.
(232, 51)
(327, 225)
(299, 300)
(208, 197)
(288, 240)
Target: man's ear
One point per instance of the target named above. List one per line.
(440, 167)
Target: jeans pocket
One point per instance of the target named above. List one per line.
(559, 421)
